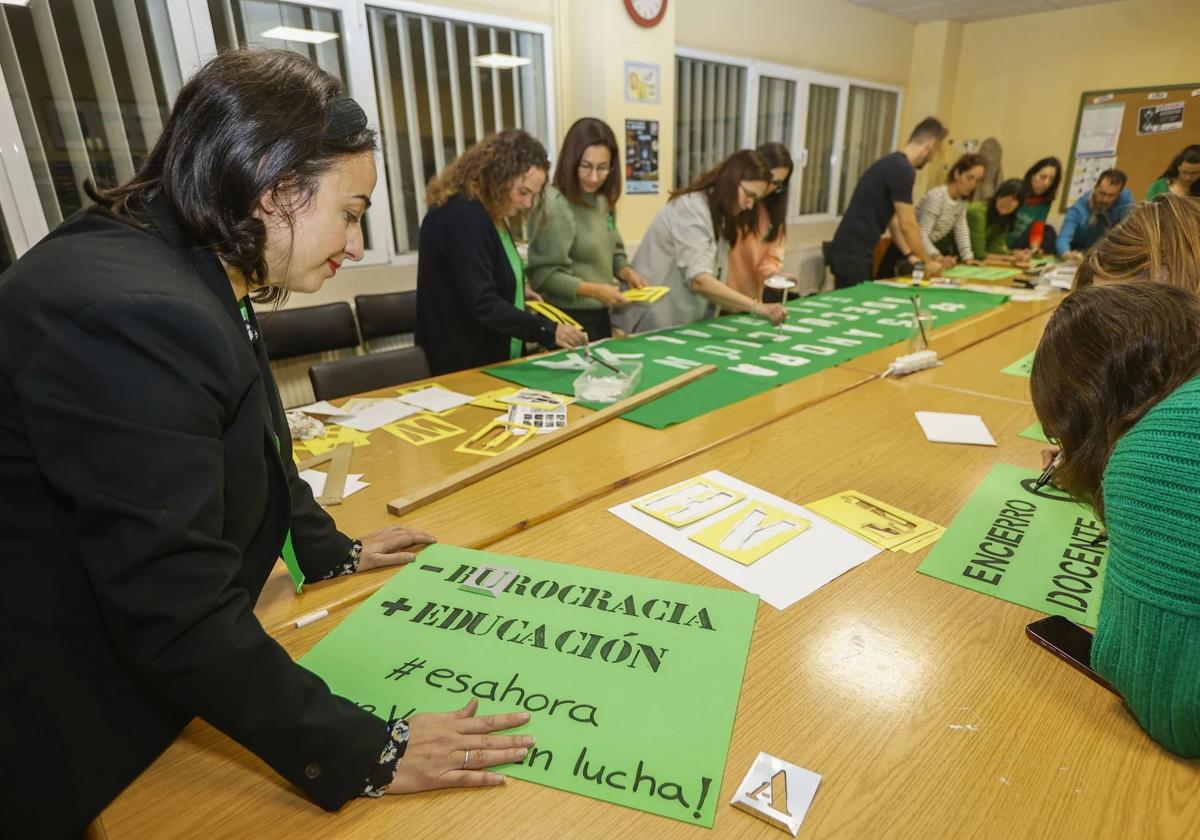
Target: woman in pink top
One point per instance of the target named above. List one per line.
(756, 256)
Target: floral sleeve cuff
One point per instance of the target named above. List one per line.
(348, 566)
(389, 760)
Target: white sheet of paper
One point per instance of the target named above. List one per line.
(324, 408)
(371, 416)
(943, 427)
(435, 399)
(316, 480)
(797, 568)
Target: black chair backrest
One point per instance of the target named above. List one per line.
(343, 377)
(392, 313)
(311, 329)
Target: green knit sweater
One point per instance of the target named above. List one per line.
(1148, 631)
(570, 244)
(985, 239)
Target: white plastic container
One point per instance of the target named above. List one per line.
(599, 384)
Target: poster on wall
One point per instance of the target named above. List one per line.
(1086, 172)
(1156, 119)
(641, 82)
(641, 157)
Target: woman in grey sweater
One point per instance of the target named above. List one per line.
(576, 256)
(687, 247)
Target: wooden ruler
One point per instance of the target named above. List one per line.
(404, 504)
(338, 459)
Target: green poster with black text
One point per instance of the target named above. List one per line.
(1036, 548)
(631, 683)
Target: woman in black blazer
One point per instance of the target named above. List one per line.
(470, 278)
(146, 476)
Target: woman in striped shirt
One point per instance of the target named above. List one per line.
(942, 217)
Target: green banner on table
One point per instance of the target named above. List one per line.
(982, 272)
(750, 354)
(631, 683)
(1038, 548)
(1021, 367)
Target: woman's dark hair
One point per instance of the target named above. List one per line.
(1110, 354)
(1012, 188)
(1190, 154)
(485, 172)
(251, 121)
(586, 132)
(965, 163)
(776, 155)
(1051, 191)
(720, 185)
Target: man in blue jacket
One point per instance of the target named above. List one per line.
(1094, 214)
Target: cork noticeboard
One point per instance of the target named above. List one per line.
(1136, 130)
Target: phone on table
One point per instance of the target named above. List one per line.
(1068, 641)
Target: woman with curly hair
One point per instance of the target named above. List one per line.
(1127, 414)
(470, 278)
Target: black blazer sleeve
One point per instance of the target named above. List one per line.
(472, 254)
(125, 405)
(318, 543)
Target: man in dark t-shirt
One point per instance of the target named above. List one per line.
(882, 197)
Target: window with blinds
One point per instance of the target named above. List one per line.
(443, 85)
(820, 133)
(710, 109)
(90, 83)
(870, 134)
(776, 111)
(312, 32)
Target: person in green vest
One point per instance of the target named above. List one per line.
(990, 221)
(577, 258)
(1181, 178)
(1041, 188)
(1127, 414)
(470, 277)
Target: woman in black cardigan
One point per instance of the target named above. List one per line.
(470, 278)
(146, 476)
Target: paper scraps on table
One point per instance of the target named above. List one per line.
(323, 408)
(316, 480)
(492, 399)
(334, 436)
(544, 420)
(539, 399)
(946, 427)
(764, 544)
(423, 429)
(435, 399)
(646, 294)
(879, 523)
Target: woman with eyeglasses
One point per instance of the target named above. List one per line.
(687, 247)
(759, 254)
(577, 258)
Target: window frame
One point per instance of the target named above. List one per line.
(803, 77)
(193, 38)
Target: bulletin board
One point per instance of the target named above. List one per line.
(1136, 130)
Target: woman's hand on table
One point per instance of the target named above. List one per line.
(569, 337)
(454, 749)
(774, 312)
(392, 546)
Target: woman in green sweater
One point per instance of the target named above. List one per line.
(1182, 177)
(1127, 414)
(576, 255)
(990, 221)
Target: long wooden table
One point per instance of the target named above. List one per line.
(870, 681)
(549, 484)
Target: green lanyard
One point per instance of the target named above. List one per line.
(289, 552)
(516, 346)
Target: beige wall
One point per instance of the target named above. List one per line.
(1030, 99)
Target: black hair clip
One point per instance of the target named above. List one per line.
(346, 118)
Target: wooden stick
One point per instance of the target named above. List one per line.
(403, 504)
(338, 459)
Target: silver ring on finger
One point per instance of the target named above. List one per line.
(466, 758)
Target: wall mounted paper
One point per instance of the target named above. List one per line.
(781, 578)
(1038, 548)
(947, 427)
(611, 668)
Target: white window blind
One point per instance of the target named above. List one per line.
(816, 183)
(443, 85)
(870, 134)
(776, 111)
(90, 82)
(710, 109)
(266, 23)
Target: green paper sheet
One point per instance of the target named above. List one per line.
(1021, 367)
(1035, 432)
(751, 355)
(981, 272)
(631, 683)
(1040, 550)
